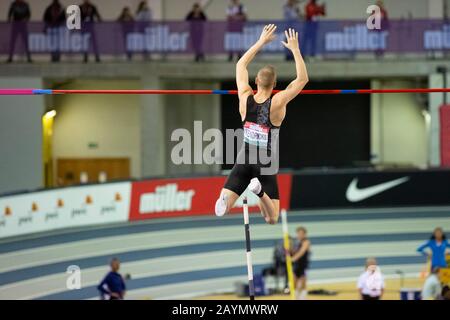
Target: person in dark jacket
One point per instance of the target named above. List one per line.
(236, 17)
(113, 284)
(197, 17)
(19, 14)
(126, 21)
(90, 15)
(54, 19)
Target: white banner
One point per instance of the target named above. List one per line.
(64, 208)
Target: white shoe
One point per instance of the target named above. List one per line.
(255, 186)
(221, 205)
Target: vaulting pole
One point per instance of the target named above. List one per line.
(251, 285)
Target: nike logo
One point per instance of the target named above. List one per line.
(354, 194)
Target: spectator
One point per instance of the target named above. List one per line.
(292, 15)
(291, 12)
(89, 15)
(432, 287)
(384, 13)
(278, 268)
(18, 15)
(300, 258)
(113, 285)
(54, 19)
(379, 53)
(125, 15)
(371, 281)
(144, 13)
(236, 16)
(197, 17)
(143, 18)
(312, 12)
(126, 21)
(445, 293)
(437, 246)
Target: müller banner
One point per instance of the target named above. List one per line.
(343, 37)
(371, 189)
(179, 197)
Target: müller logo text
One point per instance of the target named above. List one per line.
(166, 198)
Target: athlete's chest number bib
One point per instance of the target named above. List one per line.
(256, 134)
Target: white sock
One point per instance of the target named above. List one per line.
(303, 295)
(255, 186)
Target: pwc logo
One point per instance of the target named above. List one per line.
(89, 200)
(27, 219)
(54, 215)
(34, 207)
(166, 198)
(8, 211)
(112, 208)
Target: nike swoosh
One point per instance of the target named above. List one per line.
(354, 194)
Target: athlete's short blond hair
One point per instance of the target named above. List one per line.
(267, 77)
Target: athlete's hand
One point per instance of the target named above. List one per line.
(268, 34)
(291, 40)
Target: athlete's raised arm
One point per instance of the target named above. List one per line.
(294, 88)
(242, 80)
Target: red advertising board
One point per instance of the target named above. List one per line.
(445, 135)
(191, 196)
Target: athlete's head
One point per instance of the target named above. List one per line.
(301, 233)
(266, 78)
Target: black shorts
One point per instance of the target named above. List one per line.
(244, 170)
(300, 270)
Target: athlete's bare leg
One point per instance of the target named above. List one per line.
(226, 202)
(270, 209)
(300, 288)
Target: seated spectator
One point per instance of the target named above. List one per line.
(196, 17)
(89, 15)
(54, 19)
(278, 268)
(113, 285)
(432, 287)
(236, 16)
(19, 14)
(371, 281)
